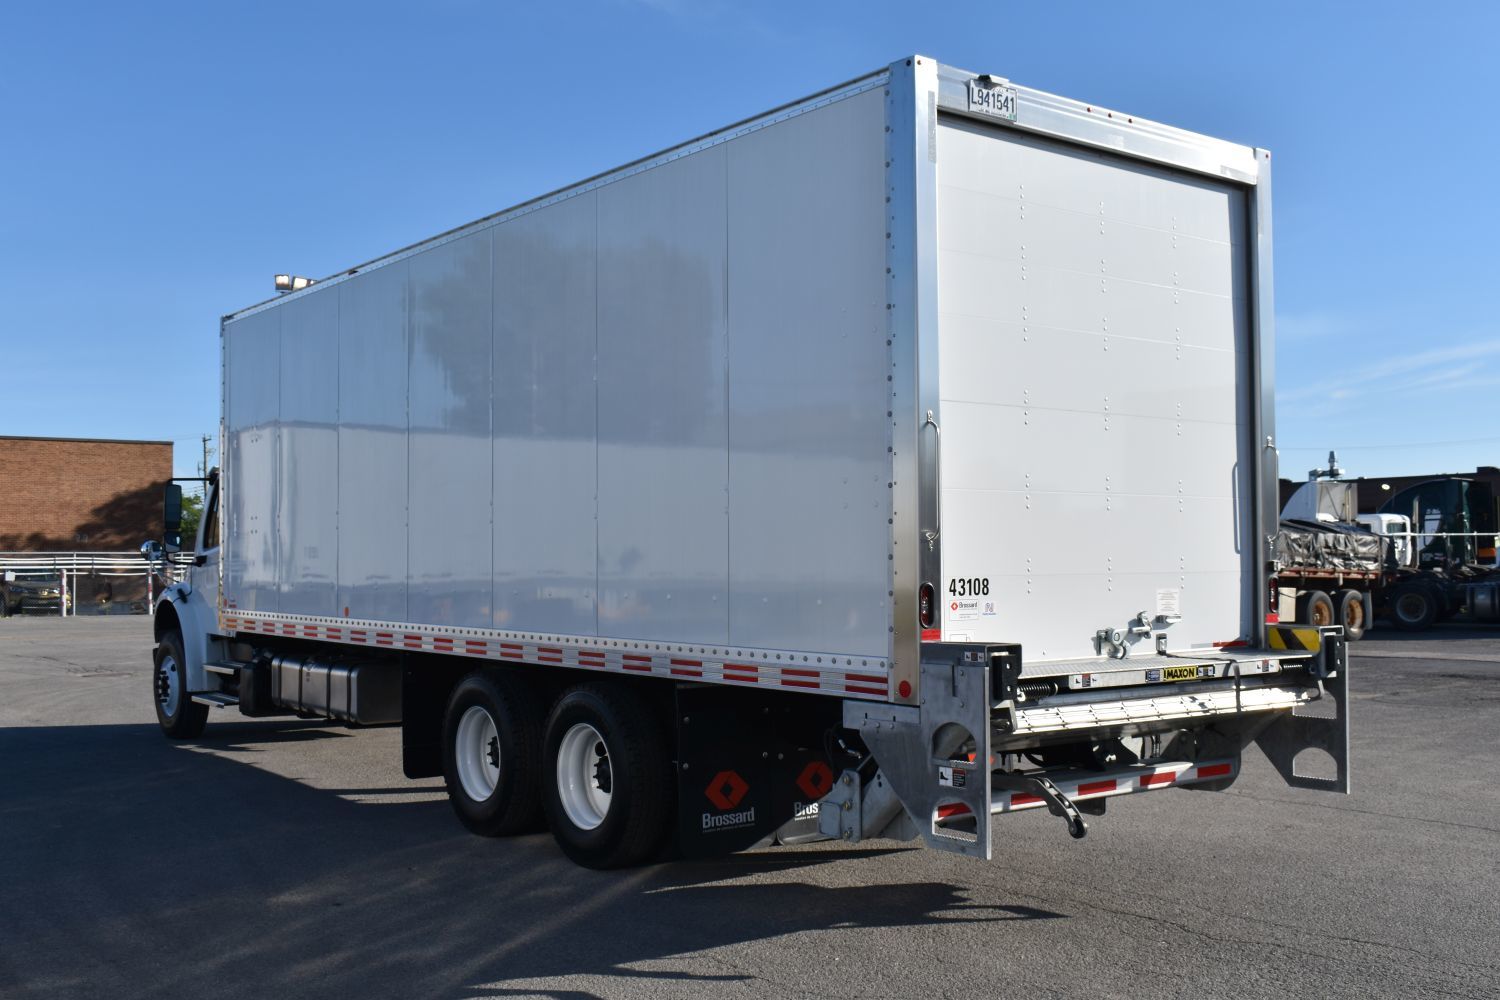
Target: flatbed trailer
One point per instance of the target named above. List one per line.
(734, 493)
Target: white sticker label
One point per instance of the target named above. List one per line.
(967, 609)
(998, 101)
(1169, 602)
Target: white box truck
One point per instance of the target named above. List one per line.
(896, 459)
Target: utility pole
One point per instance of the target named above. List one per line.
(203, 469)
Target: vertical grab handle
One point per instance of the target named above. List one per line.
(1271, 455)
(933, 533)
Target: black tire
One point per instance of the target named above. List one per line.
(1349, 611)
(636, 764)
(1316, 608)
(513, 805)
(180, 716)
(1413, 606)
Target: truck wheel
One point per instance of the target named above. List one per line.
(608, 791)
(1414, 607)
(180, 716)
(1316, 608)
(491, 750)
(1349, 611)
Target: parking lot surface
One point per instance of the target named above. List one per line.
(291, 858)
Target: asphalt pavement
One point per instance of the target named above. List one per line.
(281, 858)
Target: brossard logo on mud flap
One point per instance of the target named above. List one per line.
(724, 793)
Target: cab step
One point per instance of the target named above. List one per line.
(227, 667)
(216, 699)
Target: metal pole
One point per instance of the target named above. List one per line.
(62, 592)
(150, 593)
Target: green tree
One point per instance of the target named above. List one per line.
(192, 513)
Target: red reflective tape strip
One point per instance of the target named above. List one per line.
(549, 649)
(511, 645)
(335, 633)
(796, 672)
(309, 630)
(289, 629)
(932, 635)
(412, 641)
(1231, 643)
(953, 809)
(1024, 799)
(633, 658)
(476, 645)
(744, 668)
(637, 666)
(864, 690)
(1095, 787)
(866, 678)
(789, 682)
(1215, 770)
(687, 668)
(1154, 780)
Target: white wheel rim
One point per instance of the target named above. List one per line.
(585, 780)
(477, 750)
(168, 684)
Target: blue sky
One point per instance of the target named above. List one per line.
(159, 162)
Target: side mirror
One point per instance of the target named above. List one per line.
(172, 515)
(152, 551)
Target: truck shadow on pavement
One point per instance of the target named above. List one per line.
(139, 867)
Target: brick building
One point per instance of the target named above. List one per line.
(81, 494)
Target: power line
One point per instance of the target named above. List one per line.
(1384, 447)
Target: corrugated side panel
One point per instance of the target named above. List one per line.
(1094, 376)
(654, 410)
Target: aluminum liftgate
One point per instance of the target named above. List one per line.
(953, 761)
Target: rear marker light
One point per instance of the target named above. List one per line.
(926, 601)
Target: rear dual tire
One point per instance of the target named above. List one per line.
(1349, 610)
(491, 750)
(599, 770)
(608, 778)
(1316, 608)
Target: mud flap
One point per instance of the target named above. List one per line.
(748, 762)
(1320, 725)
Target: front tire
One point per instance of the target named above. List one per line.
(609, 778)
(1414, 606)
(179, 715)
(491, 754)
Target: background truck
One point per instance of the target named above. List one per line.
(1427, 555)
(742, 483)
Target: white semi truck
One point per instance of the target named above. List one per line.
(896, 459)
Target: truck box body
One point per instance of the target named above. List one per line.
(723, 412)
(942, 398)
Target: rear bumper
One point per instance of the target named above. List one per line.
(978, 747)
